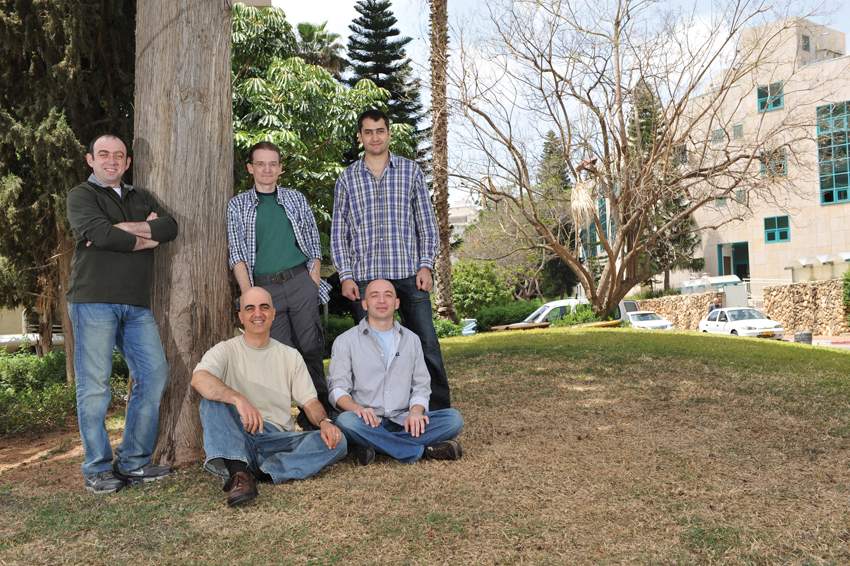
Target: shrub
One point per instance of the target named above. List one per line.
(23, 370)
(477, 284)
(446, 328)
(506, 313)
(582, 315)
(653, 294)
(335, 326)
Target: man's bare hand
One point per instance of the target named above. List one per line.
(424, 281)
(350, 290)
(144, 244)
(151, 216)
(368, 415)
(415, 424)
(252, 420)
(330, 434)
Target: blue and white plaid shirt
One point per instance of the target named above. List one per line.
(382, 228)
(242, 230)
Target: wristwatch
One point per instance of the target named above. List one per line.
(328, 419)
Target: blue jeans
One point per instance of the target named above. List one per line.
(391, 439)
(416, 315)
(282, 455)
(98, 329)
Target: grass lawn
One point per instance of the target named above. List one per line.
(594, 446)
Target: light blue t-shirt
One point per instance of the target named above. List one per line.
(386, 338)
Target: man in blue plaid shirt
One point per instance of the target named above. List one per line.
(384, 228)
(274, 243)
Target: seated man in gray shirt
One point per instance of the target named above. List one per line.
(379, 379)
(247, 384)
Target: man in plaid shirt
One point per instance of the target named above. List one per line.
(384, 228)
(274, 243)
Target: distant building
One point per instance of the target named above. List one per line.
(804, 233)
(460, 217)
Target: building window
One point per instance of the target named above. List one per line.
(806, 43)
(717, 135)
(776, 229)
(740, 196)
(737, 131)
(770, 97)
(720, 201)
(680, 154)
(833, 151)
(774, 163)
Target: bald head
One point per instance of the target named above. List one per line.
(256, 312)
(380, 303)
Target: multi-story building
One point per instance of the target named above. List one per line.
(796, 226)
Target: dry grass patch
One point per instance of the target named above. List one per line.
(580, 447)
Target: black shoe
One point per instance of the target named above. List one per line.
(363, 455)
(103, 482)
(446, 450)
(144, 474)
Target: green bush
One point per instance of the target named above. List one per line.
(446, 328)
(34, 395)
(477, 284)
(582, 315)
(506, 313)
(653, 294)
(335, 326)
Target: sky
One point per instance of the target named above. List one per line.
(466, 15)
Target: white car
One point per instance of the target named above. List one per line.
(648, 320)
(741, 321)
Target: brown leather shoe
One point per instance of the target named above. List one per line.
(241, 488)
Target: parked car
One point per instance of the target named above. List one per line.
(469, 326)
(545, 314)
(741, 321)
(648, 320)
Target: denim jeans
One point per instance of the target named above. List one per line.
(415, 310)
(98, 329)
(391, 439)
(282, 455)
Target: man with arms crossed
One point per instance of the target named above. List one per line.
(384, 228)
(247, 384)
(116, 228)
(378, 377)
(274, 243)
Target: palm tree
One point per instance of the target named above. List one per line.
(439, 143)
(318, 46)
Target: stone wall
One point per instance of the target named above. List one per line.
(817, 306)
(684, 311)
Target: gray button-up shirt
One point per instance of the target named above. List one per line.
(358, 369)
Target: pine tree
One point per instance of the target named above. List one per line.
(376, 52)
(66, 74)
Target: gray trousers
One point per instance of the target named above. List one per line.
(297, 323)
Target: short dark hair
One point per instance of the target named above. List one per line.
(94, 140)
(372, 114)
(262, 145)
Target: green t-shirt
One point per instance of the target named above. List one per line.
(277, 248)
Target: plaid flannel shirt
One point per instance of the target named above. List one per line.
(242, 230)
(382, 228)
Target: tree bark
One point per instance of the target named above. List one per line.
(63, 268)
(439, 143)
(183, 154)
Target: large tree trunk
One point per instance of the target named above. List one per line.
(439, 133)
(183, 152)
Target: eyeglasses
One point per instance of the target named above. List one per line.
(265, 164)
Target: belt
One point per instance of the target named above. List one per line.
(280, 276)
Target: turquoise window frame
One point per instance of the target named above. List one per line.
(774, 163)
(770, 97)
(833, 137)
(777, 229)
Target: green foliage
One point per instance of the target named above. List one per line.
(318, 46)
(335, 326)
(477, 284)
(654, 294)
(507, 313)
(446, 328)
(582, 315)
(35, 395)
(847, 294)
